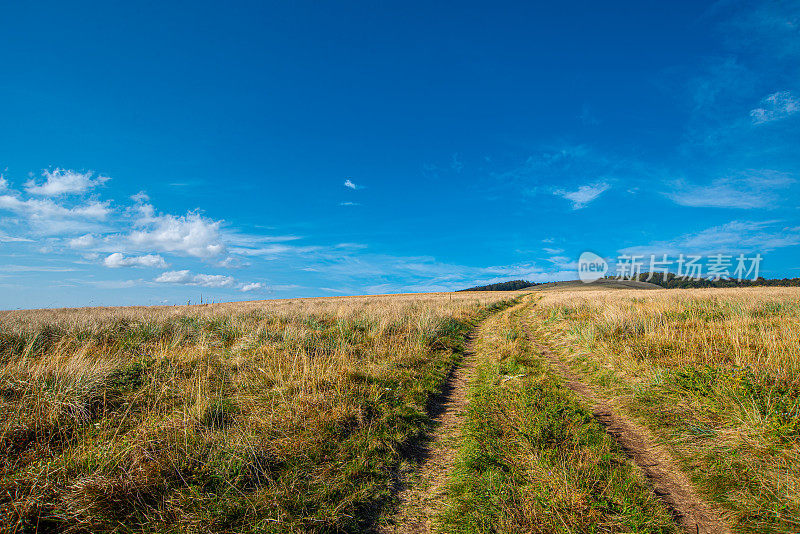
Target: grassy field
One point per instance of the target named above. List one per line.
(714, 373)
(278, 416)
(294, 416)
(532, 458)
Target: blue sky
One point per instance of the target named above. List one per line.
(154, 152)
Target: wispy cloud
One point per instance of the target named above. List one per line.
(349, 204)
(254, 286)
(381, 273)
(760, 51)
(732, 237)
(584, 194)
(118, 259)
(140, 197)
(587, 116)
(84, 241)
(50, 218)
(188, 278)
(579, 173)
(455, 163)
(35, 268)
(5, 238)
(753, 189)
(62, 181)
(775, 107)
(350, 185)
(46, 210)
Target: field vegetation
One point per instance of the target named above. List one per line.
(713, 372)
(532, 457)
(281, 416)
(295, 416)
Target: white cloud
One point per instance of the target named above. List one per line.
(254, 286)
(3, 183)
(213, 280)
(84, 241)
(187, 278)
(349, 204)
(267, 250)
(232, 263)
(48, 217)
(351, 246)
(349, 183)
(35, 268)
(285, 287)
(754, 189)
(356, 272)
(775, 106)
(335, 290)
(5, 238)
(48, 210)
(584, 195)
(112, 284)
(62, 181)
(190, 234)
(139, 197)
(118, 259)
(175, 277)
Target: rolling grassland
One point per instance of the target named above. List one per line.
(714, 374)
(276, 416)
(532, 457)
(558, 410)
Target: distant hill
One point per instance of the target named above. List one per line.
(673, 282)
(603, 283)
(512, 285)
(657, 281)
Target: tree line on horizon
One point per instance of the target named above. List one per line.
(670, 281)
(511, 285)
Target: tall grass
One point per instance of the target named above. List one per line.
(533, 459)
(716, 373)
(255, 417)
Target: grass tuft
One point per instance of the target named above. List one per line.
(533, 459)
(714, 373)
(281, 416)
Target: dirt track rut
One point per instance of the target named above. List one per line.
(423, 490)
(669, 482)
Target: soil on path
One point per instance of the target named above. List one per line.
(669, 482)
(423, 489)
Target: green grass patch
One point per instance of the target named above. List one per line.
(533, 459)
(712, 378)
(240, 423)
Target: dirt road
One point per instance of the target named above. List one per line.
(422, 492)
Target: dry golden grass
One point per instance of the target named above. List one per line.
(532, 459)
(260, 416)
(757, 327)
(715, 372)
